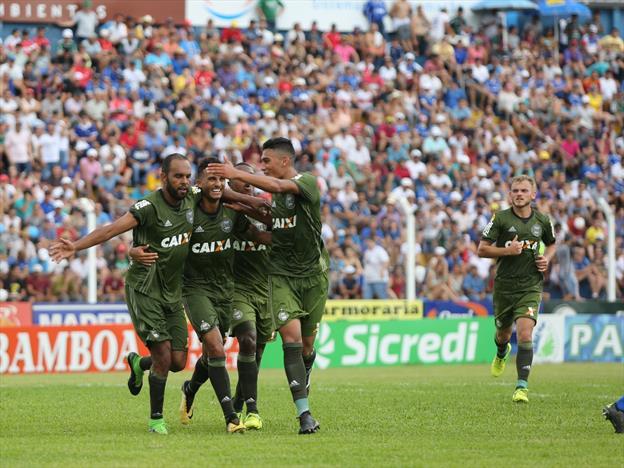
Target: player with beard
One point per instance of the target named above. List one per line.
(164, 221)
(298, 280)
(523, 241)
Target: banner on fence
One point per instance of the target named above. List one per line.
(92, 348)
(450, 309)
(15, 314)
(594, 338)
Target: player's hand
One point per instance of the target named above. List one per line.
(515, 248)
(61, 249)
(226, 169)
(141, 255)
(542, 263)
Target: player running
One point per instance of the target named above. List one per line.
(516, 238)
(163, 220)
(298, 282)
(208, 286)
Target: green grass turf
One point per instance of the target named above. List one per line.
(400, 416)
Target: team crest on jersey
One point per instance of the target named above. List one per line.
(226, 225)
(290, 201)
(237, 314)
(204, 326)
(189, 216)
(282, 315)
(536, 230)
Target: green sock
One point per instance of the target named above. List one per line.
(157, 394)
(200, 375)
(221, 384)
(248, 378)
(524, 359)
(295, 370)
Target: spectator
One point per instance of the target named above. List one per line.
(376, 273)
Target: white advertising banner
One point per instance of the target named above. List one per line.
(549, 339)
(347, 14)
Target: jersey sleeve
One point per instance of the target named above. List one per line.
(548, 231)
(492, 230)
(143, 212)
(307, 187)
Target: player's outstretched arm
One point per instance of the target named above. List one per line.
(64, 248)
(488, 250)
(256, 203)
(263, 215)
(266, 183)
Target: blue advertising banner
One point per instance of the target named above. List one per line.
(79, 314)
(594, 338)
(460, 309)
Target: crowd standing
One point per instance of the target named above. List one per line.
(432, 114)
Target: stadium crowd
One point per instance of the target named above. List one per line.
(432, 114)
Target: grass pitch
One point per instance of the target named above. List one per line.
(401, 416)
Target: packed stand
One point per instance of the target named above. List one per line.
(434, 114)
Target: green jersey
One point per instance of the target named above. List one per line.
(296, 235)
(167, 231)
(519, 271)
(209, 267)
(251, 264)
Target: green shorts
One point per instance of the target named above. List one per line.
(155, 321)
(205, 314)
(298, 298)
(510, 306)
(248, 307)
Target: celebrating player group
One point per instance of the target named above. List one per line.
(233, 264)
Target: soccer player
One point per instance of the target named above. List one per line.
(516, 238)
(164, 221)
(208, 287)
(252, 322)
(615, 414)
(298, 280)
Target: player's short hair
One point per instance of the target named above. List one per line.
(280, 144)
(244, 164)
(203, 164)
(166, 164)
(524, 178)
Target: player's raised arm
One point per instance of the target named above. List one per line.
(263, 182)
(64, 248)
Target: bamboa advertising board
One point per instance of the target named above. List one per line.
(28, 350)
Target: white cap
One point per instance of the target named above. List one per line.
(179, 114)
(399, 115)
(435, 131)
(349, 270)
(92, 152)
(463, 159)
(593, 28)
(147, 19)
(300, 81)
(269, 80)
(105, 32)
(439, 250)
(37, 268)
(108, 167)
(406, 182)
(440, 118)
(58, 204)
(68, 33)
(270, 114)
(416, 153)
(482, 172)
(328, 143)
(585, 99)
(456, 196)
(66, 180)
(278, 37)
(410, 56)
